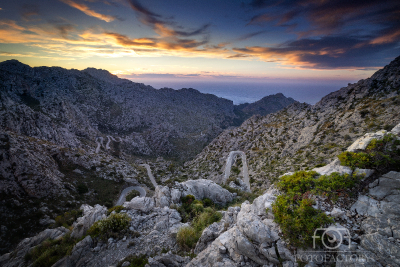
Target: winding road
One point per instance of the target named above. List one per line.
(153, 181)
(99, 144)
(229, 163)
(122, 197)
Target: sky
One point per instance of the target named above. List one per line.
(238, 49)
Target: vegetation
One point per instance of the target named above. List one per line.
(132, 194)
(293, 209)
(51, 251)
(201, 213)
(135, 261)
(117, 209)
(112, 226)
(68, 218)
(82, 189)
(381, 155)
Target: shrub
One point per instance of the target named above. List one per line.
(110, 226)
(117, 209)
(68, 218)
(50, 251)
(293, 209)
(135, 261)
(82, 189)
(132, 194)
(381, 155)
(204, 219)
(187, 237)
(298, 219)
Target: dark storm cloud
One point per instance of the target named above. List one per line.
(161, 25)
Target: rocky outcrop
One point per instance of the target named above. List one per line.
(90, 216)
(200, 189)
(17, 257)
(246, 237)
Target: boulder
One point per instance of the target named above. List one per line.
(90, 216)
(143, 204)
(362, 142)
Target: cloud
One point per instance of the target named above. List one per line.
(30, 12)
(250, 35)
(85, 9)
(162, 26)
(330, 52)
(239, 56)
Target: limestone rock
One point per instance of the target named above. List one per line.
(144, 204)
(90, 216)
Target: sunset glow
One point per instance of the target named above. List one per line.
(335, 40)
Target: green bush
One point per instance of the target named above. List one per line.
(50, 251)
(68, 218)
(293, 209)
(111, 226)
(135, 261)
(298, 219)
(117, 209)
(187, 237)
(206, 218)
(381, 155)
(132, 194)
(201, 218)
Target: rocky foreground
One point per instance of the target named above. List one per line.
(247, 235)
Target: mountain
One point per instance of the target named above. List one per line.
(266, 105)
(68, 106)
(41, 179)
(302, 136)
(69, 137)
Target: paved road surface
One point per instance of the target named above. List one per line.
(153, 181)
(229, 163)
(122, 197)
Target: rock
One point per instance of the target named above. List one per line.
(332, 167)
(144, 204)
(90, 216)
(17, 257)
(168, 259)
(46, 220)
(396, 130)
(222, 249)
(200, 189)
(125, 264)
(363, 142)
(338, 213)
(80, 254)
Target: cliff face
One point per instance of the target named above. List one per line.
(301, 135)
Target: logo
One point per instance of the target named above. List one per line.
(332, 237)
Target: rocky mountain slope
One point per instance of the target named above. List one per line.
(364, 228)
(302, 136)
(69, 107)
(69, 137)
(266, 105)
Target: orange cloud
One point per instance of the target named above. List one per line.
(85, 9)
(387, 38)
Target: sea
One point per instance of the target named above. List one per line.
(309, 91)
